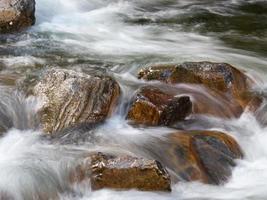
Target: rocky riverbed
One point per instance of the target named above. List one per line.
(131, 99)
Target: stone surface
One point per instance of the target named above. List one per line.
(16, 14)
(155, 106)
(123, 173)
(255, 103)
(70, 98)
(206, 156)
(220, 77)
(149, 102)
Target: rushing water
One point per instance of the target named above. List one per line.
(120, 37)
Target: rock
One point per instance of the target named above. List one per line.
(124, 173)
(16, 14)
(149, 102)
(220, 77)
(128, 173)
(8, 79)
(71, 98)
(255, 103)
(206, 156)
(154, 106)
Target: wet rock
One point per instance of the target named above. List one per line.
(124, 173)
(255, 103)
(16, 14)
(154, 106)
(147, 105)
(8, 79)
(206, 156)
(71, 98)
(220, 77)
(129, 173)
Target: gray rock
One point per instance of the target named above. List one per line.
(70, 98)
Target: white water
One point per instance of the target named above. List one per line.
(29, 165)
(99, 30)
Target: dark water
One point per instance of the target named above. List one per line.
(106, 33)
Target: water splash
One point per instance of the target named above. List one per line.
(129, 35)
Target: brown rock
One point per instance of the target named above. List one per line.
(220, 77)
(154, 106)
(206, 156)
(70, 98)
(149, 103)
(255, 103)
(123, 173)
(16, 14)
(129, 173)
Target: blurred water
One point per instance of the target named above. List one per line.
(120, 37)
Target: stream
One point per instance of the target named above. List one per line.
(120, 37)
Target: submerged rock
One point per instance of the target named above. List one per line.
(168, 105)
(124, 173)
(16, 14)
(206, 156)
(220, 77)
(71, 98)
(154, 106)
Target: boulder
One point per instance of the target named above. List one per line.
(166, 104)
(123, 173)
(206, 156)
(220, 77)
(70, 98)
(155, 106)
(16, 14)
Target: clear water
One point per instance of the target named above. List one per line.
(120, 37)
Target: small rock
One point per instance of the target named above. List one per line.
(154, 106)
(71, 98)
(126, 172)
(16, 14)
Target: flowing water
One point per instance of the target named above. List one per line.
(119, 37)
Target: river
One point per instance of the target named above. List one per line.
(120, 37)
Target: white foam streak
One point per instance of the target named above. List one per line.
(99, 29)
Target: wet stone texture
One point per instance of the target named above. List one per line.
(128, 173)
(16, 14)
(206, 156)
(220, 77)
(155, 106)
(215, 157)
(70, 98)
(123, 173)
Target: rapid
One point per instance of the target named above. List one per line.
(119, 37)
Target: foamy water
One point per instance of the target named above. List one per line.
(121, 37)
